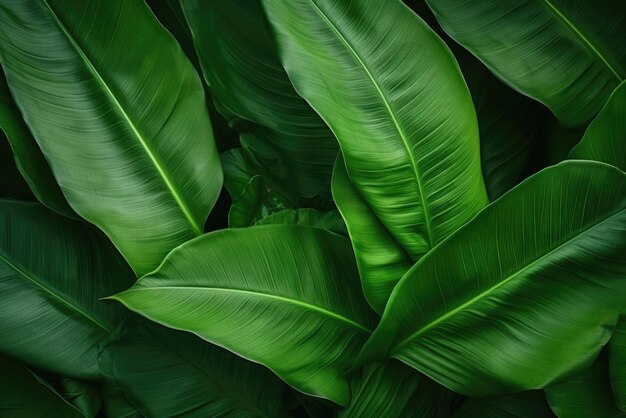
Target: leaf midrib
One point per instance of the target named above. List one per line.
(395, 122)
(49, 291)
(257, 294)
(506, 280)
(582, 37)
(91, 68)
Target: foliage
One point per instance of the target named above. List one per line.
(427, 211)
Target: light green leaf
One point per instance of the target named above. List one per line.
(330, 220)
(530, 404)
(585, 395)
(395, 98)
(565, 54)
(280, 295)
(28, 157)
(25, 395)
(391, 390)
(169, 373)
(52, 272)
(617, 363)
(605, 138)
(119, 113)
(523, 295)
(252, 90)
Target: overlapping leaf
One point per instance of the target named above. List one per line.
(530, 404)
(393, 95)
(119, 113)
(566, 54)
(53, 270)
(523, 295)
(279, 295)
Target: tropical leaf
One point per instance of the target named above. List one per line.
(170, 373)
(395, 98)
(289, 289)
(391, 390)
(567, 55)
(24, 394)
(530, 404)
(617, 363)
(52, 272)
(605, 138)
(254, 93)
(119, 113)
(84, 396)
(255, 203)
(585, 395)
(330, 220)
(116, 404)
(522, 296)
(28, 157)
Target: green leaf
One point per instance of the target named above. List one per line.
(565, 54)
(116, 404)
(85, 396)
(381, 260)
(585, 395)
(617, 363)
(523, 295)
(605, 138)
(12, 184)
(28, 157)
(530, 404)
(509, 126)
(391, 390)
(255, 203)
(395, 98)
(119, 113)
(279, 295)
(52, 272)
(330, 220)
(24, 394)
(252, 90)
(169, 373)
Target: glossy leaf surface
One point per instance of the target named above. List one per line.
(119, 113)
(565, 54)
(492, 309)
(605, 138)
(254, 93)
(53, 270)
(394, 96)
(169, 373)
(279, 295)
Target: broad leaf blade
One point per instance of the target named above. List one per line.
(541, 270)
(395, 98)
(279, 295)
(24, 394)
(119, 113)
(252, 90)
(52, 272)
(605, 138)
(170, 373)
(565, 54)
(28, 157)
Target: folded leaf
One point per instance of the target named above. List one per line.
(391, 390)
(530, 404)
(565, 54)
(279, 295)
(523, 295)
(395, 98)
(169, 373)
(119, 113)
(84, 396)
(252, 90)
(605, 138)
(585, 395)
(24, 394)
(28, 157)
(52, 272)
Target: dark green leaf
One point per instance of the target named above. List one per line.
(330, 220)
(530, 404)
(617, 363)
